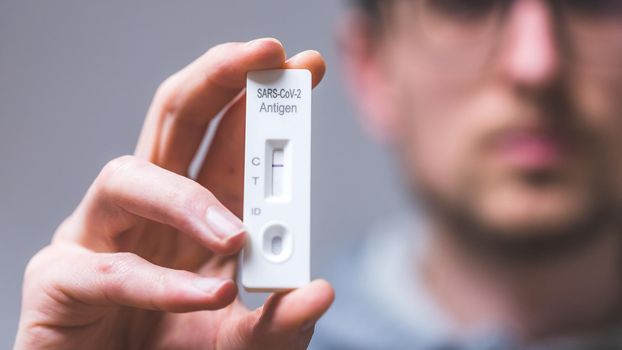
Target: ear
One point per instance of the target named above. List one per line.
(366, 75)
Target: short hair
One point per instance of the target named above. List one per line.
(370, 7)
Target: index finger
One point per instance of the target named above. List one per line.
(186, 102)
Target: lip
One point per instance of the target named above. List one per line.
(532, 149)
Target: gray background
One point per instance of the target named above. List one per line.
(76, 78)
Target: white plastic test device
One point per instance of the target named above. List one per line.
(277, 180)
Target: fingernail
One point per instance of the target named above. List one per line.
(209, 285)
(222, 222)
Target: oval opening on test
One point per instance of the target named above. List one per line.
(277, 245)
(277, 242)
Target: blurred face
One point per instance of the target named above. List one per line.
(507, 115)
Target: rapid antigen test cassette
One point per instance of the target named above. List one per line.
(277, 180)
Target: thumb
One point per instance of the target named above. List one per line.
(285, 321)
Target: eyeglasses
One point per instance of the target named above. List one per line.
(589, 31)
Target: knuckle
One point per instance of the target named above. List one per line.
(195, 201)
(37, 264)
(221, 68)
(47, 268)
(167, 92)
(215, 62)
(114, 165)
(113, 270)
(116, 169)
(223, 47)
(115, 264)
(189, 208)
(220, 50)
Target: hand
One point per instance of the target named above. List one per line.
(148, 258)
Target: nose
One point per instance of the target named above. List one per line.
(529, 55)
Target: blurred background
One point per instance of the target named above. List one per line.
(76, 78)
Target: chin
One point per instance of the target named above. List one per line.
(516, 216)
(522, 210)
(518, 224)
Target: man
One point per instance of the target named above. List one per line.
(505, 116)
(507, 121)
